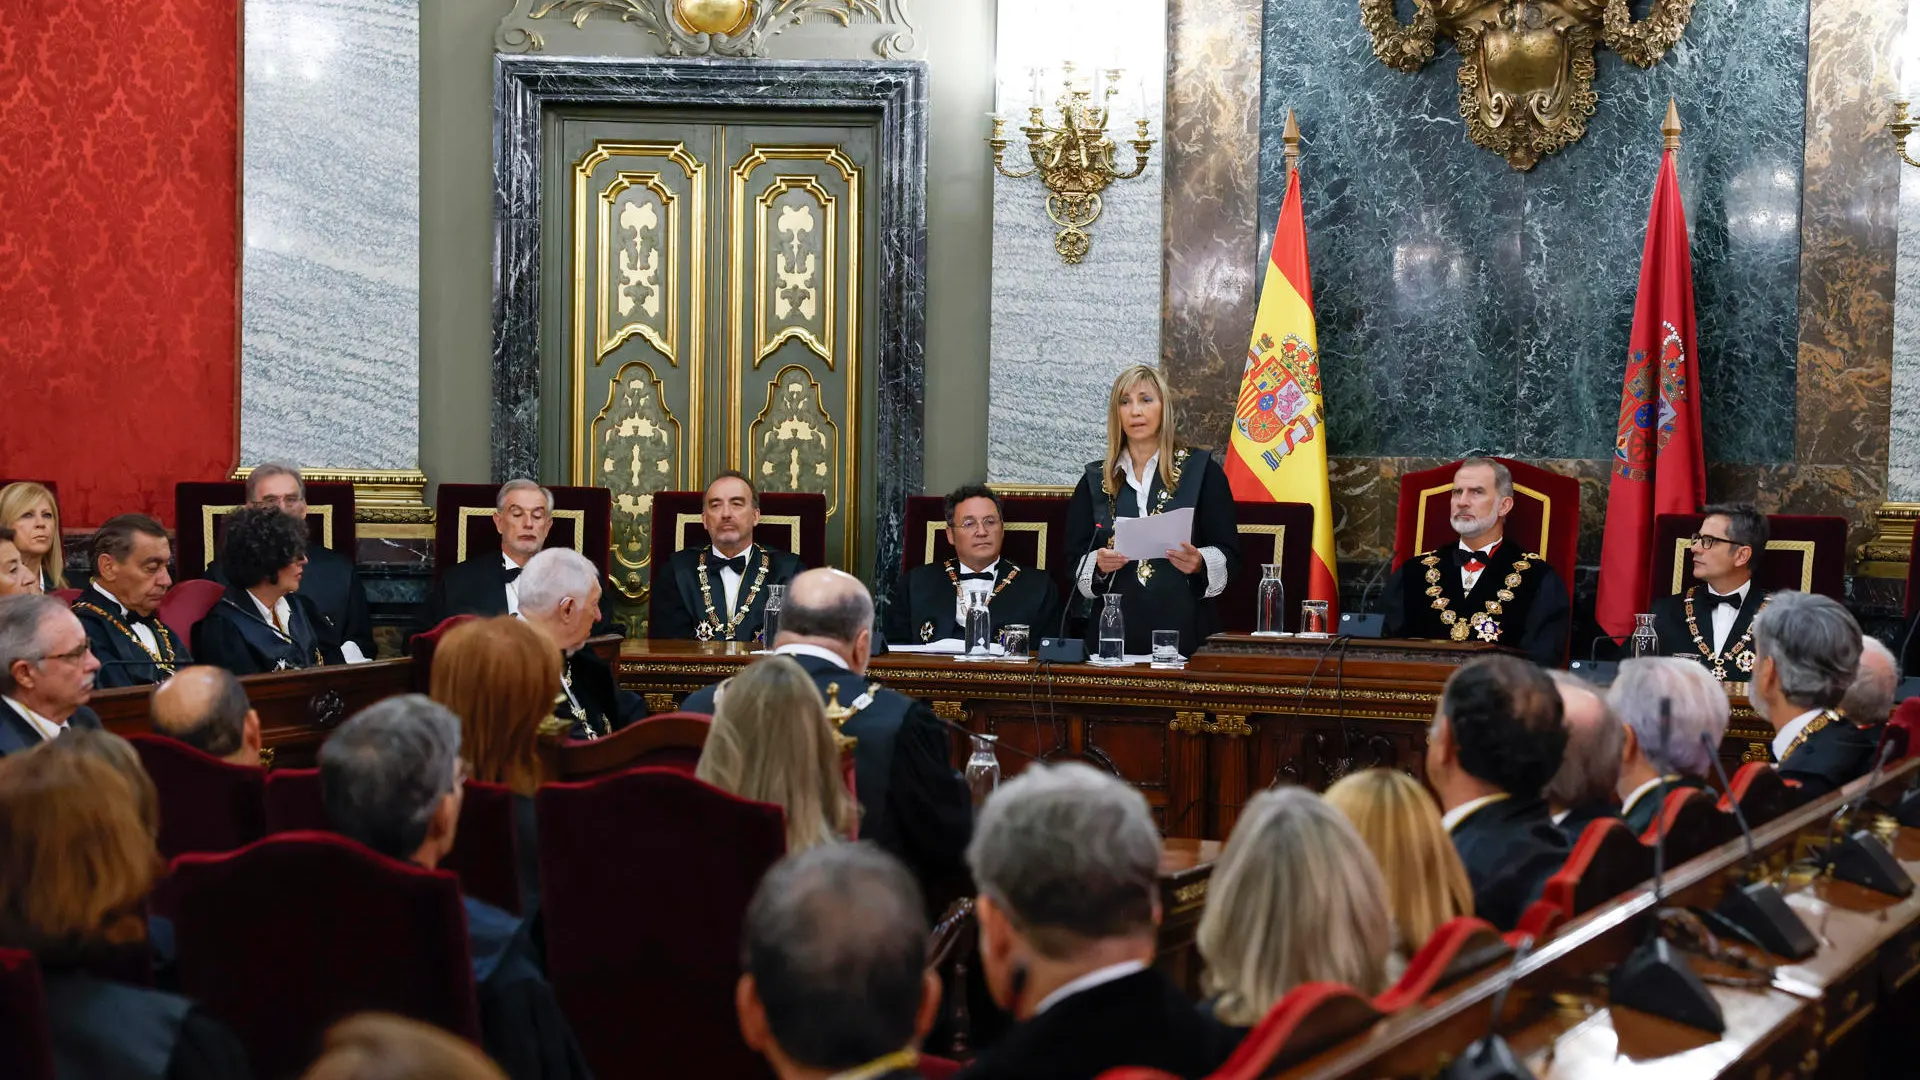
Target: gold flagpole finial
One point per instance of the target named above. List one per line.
(1670, 127)
(1290, 136)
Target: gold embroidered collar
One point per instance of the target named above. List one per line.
(1484, 623)
(1739, 651)
(163, 658)
(714, 626)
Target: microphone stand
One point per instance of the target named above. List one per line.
(1757, 909)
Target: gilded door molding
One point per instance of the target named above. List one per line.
(637, 443)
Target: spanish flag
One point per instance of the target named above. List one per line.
(1278, 449)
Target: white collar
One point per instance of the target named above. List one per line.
(801, 648)
(1126, 464)
(112, 599)
(1489, 549)
(1099, 977)
(1559, 816)
(1452, 818)
(281, 614)
(48, 729)
(1634, 796)
(1789, 731)
(991, 568)
(1740, 592)
(746, 551)
(507, 563)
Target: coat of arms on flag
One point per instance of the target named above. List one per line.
(1274, 396)
(1646, 418)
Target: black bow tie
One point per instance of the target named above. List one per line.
(737, 564)
(1710, 600)
(981, 576)
(1467, 555)
(513, 573)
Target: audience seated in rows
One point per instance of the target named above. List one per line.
(912, 803)
(30, 511)
(46, 672)
(1426, 885)
(76, 864)
(1808, 650)
(330, 580)
(1583, 789)
(1295, 898)
(1067, 860)
(15, 578)
(501, 677)
(262, 623)
(835, 980)
(771, 743)
(1870, 699)
(1674, 714)
(206, 708)
(391, 777)
(1498, 738)
(559, 592)
(380, 1046)
(129, 556)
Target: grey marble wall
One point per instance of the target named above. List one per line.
(1060, 332)
(330, 286)
(1464, 304)
(1903, 455)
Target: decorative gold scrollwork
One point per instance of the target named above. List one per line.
(794, 439)
(638, 439)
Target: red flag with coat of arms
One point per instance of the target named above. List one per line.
(1657, 466)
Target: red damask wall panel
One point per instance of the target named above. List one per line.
(118, 222)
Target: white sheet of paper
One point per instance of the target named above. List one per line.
(950, 646)
(1151, 537)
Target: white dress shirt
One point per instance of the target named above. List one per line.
(513, 587)
(280, 616)
(801, 648)
(730, 578)
(49, 729)
(1725, 614)
(1470, 578)
(1141, 482)
(1785, 736)
(140, 630)
(1100, 977)
(1452, 818)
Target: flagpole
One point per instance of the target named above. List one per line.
(1290, 136)
(1669, 128)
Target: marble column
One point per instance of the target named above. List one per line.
(330, 310)
(1903, 455)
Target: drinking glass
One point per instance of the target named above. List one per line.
(1113, 630)
(1645, 641)
(979, 631)
(1013, 640)
(983, 768)
(1272, 604)
(1313, 617)
(1166, 649)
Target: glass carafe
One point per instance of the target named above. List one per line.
(1113, 629)
(979, 624)
(1646, 642)
(983, 768)
(1271, 609)
(770, 623)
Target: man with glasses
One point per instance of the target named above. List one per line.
(330, 580)
(1712, 623)
(1018, 596)
(46, 672)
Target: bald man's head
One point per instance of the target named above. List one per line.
(1590, 769)
(206, 708)
(831, 608)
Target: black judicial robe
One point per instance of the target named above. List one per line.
(521, 1026)
(1693, 639)
(1829, 753)
(101, 1028)
(608, 708)
(679, 608)
(1140, 1019)
(1640, 816)
(17, 733)
(235, 637)
(912, 802)
(1579, 817)
(1535, 620)
(1166, 599)
(1510, 848)
(124, 661)
(1021, 597)
(477, 586)
(334, 586)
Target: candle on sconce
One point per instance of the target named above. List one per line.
(1037, 74)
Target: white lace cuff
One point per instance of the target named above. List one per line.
(1216, 561)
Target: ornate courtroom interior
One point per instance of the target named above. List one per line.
(847, 539)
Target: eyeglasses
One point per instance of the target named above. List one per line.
(71, 655)
(985, 524)
(1706, 542)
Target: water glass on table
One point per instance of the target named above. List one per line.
(1313, 617)
(1013, 641)
(1166, 649)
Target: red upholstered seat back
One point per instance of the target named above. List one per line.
(484, 847)
(65, 596)
(1269, 533)
(1541, 920)
(1761, 793)
(1804, 552)
(1545, 516)
(187, 603)
(205, 803)
(1459, 947)
(665, 741)
(1605, 862)
(294, 803)
(26, 1053)
(1036, 535)
(795, 522)
(200, 508)
(937, 1068)
(421, 648)
(645, 878)
(1308, 1019)
(1906, 717)
(286, 936)
(463, 523)
(1694, 825)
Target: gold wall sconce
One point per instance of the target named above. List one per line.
(1073, 154)
(1902, 126)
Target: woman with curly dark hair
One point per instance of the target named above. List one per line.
(263, 623)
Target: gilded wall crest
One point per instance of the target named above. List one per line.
(1526, 66)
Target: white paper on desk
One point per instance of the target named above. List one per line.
(952, 646)
(1151, 537)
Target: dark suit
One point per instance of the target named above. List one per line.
(1510, 848)
(124, 661)
(333, 584)
(235, 637)
(17, 733)
(608, 708)
(521, 1025)
(679, 608)
(103, 1029)
(1534, 620)
(1142, 1019)
(1021, 597)
(1579, 817)
(477, 586)
(1639, 817)
(1734, 661)
(912, 802)
(1829, 755)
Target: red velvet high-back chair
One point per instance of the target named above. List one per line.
(26, 1049)
(666, 741)
(1805, 552)
(294, 803)
(290, 934)
(463, 523)
(187, 603)
(485, 855)
(200, 508)
(1308, 1019)
(421, 647)
(1762, 795)
(1270, 532)
(1036, 535)
(645, 878)
(794, 522)
(1607, 861)
(1694, 825)
(1545, 518)
(1460, 947)
(205, 803)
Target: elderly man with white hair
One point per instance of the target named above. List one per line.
(1670, 752)
(1870, 699)
(559, 594)
(1809, 653)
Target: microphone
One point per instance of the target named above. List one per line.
(1757, 909)
(1594, 669)
(1489, 1057)
(1059, 649)
(1364, 623)
(1655, 978)
(1860, 857)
